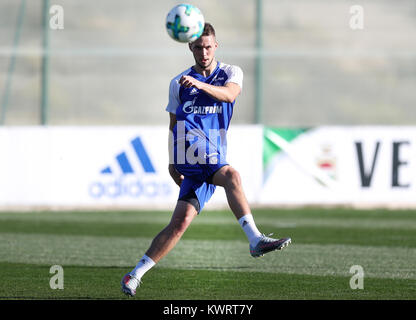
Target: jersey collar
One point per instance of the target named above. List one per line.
(212, 73)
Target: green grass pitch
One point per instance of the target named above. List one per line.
(212, 261)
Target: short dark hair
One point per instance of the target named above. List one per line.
(208, 30)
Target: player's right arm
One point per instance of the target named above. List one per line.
(171, 108)
(176, 176)
(228, 92)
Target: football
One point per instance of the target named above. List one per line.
(185, 23)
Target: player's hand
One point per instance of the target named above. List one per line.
(176, 176)
(188, 81)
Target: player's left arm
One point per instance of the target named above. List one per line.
(227, 93)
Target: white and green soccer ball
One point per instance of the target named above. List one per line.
(185, 23)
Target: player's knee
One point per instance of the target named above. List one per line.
(233, 177)
(179, 226)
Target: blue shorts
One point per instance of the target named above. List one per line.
(197, 182)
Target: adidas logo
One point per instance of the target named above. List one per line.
(193, 91)
(125, 164)
(119, 181)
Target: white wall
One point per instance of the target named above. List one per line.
(61, 167)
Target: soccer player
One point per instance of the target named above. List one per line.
(201, 102)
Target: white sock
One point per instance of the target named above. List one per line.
(144, 265)
(253, 234)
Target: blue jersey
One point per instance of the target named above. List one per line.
(199, 136)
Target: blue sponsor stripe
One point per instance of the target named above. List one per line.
(142, 154)
(124, 163)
